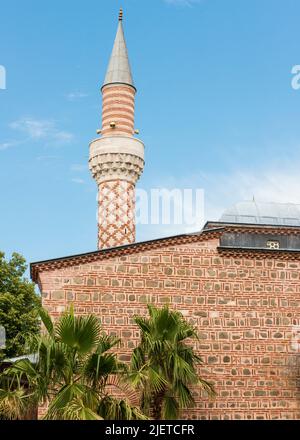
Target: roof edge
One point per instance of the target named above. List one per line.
(118, 83)
(241, 252)
(34, 266)
(247, 225)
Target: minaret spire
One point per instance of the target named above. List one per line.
(119, 70)
(117, 158)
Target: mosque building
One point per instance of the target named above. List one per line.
(237, 280)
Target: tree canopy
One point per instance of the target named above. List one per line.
(18, 304)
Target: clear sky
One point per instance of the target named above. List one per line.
(215, 108)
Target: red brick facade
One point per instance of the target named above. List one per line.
(245, 306)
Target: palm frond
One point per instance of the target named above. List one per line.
(115, 409)
(47, 321)
(67, 395)
(170, 408)
(13, 403)
(208, 387)
(77, 410)
(184, 395)
(98, 367)
(137, 358)
(157, 381)
(142, 323)
(106, 343)
(80, 333)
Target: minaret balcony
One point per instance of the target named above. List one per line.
(117, 158)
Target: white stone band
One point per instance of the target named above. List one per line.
(116, 157)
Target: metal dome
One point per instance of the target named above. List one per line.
(263, 213)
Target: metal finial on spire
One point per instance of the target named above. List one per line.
(121, 14)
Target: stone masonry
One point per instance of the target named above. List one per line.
(245, 306)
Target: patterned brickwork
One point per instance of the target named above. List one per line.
(116, 213)
(245, 307)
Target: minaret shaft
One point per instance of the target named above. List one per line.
(116, 213)
(118, 107)
(117, 158)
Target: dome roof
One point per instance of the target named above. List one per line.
(264, 213)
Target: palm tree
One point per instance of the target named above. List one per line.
(74, 364)
(164, 366)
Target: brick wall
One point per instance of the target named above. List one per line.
(246, 309)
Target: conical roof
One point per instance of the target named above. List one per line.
(119, 71)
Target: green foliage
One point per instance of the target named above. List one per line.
(115, 409)
(164, 366)
(74, 364)
(18, 302)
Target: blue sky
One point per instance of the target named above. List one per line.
(215, 108)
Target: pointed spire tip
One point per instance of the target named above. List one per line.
(118, 71)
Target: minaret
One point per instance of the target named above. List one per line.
(117, 157)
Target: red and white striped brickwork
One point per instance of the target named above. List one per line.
(118, 107)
